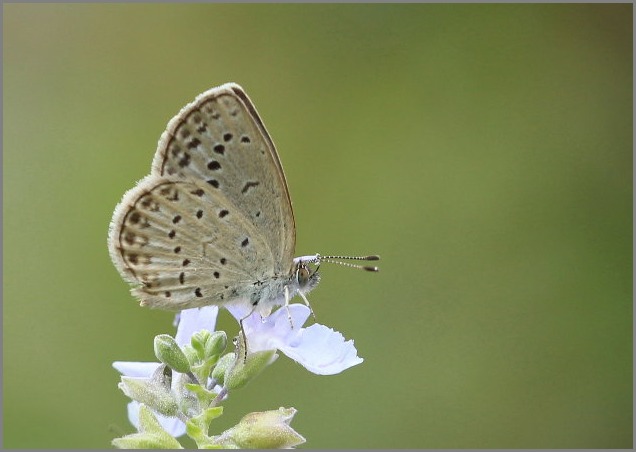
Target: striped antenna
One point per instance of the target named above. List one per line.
(368, 268)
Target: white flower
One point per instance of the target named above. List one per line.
(190, 321)
(318, 348)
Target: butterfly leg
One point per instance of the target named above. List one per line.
(287, 297)
(244, 334)
(308, 305)
(244, 340)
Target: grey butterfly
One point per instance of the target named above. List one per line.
(213, 222)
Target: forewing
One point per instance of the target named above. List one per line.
(219, 139)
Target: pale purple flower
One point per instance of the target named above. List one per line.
(190, 321)
(318, 348)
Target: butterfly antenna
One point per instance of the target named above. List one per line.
(369, 268)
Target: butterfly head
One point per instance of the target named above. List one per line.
(307, 277)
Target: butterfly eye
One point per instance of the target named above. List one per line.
(302, 275)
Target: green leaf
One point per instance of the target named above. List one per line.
(198, 426)
(204, 396)
(202, 370)
(151, 434)
(145, 441)
(148, 422)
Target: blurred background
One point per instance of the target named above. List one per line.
(484, 151)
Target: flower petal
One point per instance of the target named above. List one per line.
(323, 351)
(193, 320)
(319, 349)
(136, 369)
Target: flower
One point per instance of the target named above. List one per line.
(190, 321)
(318, 348)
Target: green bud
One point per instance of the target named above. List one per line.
(218, 373)
(169, 353)
(215, 344)
(190, 353)
(264, 430)
(241, 372)
(151, 435)
(208, 345)
(150, 392)
(198, 341)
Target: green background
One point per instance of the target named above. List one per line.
(484, 151)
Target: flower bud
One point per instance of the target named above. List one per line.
(218, 373)
(216, 343)
(150, 392)
(241, 372)
(190, 353)
(263, 430)
(198, 341)
(168, 352)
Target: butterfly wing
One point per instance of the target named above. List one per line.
(219, 138)
(214, 217)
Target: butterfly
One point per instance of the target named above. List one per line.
(213, 224)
